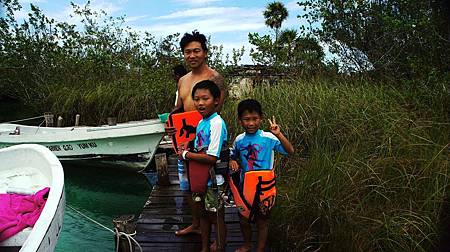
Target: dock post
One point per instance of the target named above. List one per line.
(162, 169)
(127, 225)
(60, 121)
(77, 120)
(48, 119)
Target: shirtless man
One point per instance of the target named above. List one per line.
(195, 52)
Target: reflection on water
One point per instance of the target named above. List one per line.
(102, 194)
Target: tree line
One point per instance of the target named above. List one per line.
(396, 39)
(383, 39)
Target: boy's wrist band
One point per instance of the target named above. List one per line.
(184, 154)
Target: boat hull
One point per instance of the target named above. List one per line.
(133, 140)
(54, 230)
(33, 167)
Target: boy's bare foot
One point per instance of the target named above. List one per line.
(213, 247)
(244, 248)
(189, 230)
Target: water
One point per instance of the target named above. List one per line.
(102, 194)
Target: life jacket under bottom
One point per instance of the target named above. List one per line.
(257, 195)
(198, 175)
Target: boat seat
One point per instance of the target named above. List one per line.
(17, 239)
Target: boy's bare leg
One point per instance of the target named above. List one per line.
(205, 227)
(246, 230)
(195, 226)
(263, 230)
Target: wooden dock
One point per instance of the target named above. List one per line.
(167, 210)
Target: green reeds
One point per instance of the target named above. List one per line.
(133, 99)
(371, 168)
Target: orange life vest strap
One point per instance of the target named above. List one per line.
(258, 192)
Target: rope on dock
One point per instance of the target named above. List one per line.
(26, 119)
(129, 239)
(116, 231)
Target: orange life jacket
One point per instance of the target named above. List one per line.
(185, 123)
(258, 192)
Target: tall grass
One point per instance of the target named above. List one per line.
(371, 168)
(133, 98)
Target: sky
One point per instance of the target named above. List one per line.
(227, 22)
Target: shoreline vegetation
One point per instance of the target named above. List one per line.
(372, 168)
(373, 174)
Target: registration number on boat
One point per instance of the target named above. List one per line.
(69, 147)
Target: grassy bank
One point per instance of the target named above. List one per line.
(371, 170)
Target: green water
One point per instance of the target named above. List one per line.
(102, 194)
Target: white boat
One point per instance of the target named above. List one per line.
(132, 141)
(29, 168)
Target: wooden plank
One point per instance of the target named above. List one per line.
(180, 218)
(176, 210)
(232, 227)
(172, 238)
(171, 193)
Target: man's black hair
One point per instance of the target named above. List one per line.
(179, 70)
(195, 36)
(249, 105)
(207, 84)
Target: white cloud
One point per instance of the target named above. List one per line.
(195, 2)
(135, 18)
(22, 14)
(292, 6)
(229, 46)
(23, 2)
(107, 6)
(211, 25)
(207, 20)
(67, 14)
(207, 11)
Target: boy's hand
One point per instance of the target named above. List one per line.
(170, 131)
(181, 149)
(234, 166)
(180, 152)
(274, 127)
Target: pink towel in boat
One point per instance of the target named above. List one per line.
(19, 211)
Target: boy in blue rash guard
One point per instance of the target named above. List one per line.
(253, 154)
(211, 137)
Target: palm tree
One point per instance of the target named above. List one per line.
(275, 14)
(287, 40)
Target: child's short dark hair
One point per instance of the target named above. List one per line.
(195, 36)
(207, 84)
(179, 70)
(249, 105)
